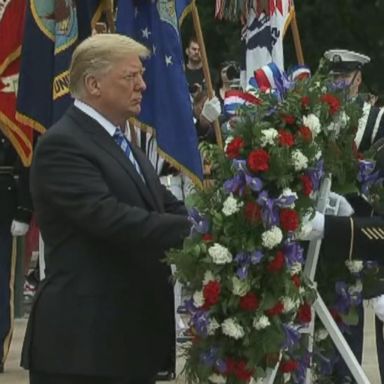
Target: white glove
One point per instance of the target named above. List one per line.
(18, 228)
(211, 109)
(378, 306)
(338, 205)
(312, 229)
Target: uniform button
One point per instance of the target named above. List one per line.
(9, 188)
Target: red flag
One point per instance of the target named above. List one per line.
(11, 31)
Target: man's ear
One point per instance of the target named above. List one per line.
(358, 79)
(92, 85)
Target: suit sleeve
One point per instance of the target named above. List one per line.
(354, 237)
(72, 184)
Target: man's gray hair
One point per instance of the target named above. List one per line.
(96, 55)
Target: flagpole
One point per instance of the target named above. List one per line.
(296, 39)
(204, 59)
(108, 8)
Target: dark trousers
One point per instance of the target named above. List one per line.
(7, 266)
(47, 378)
(380, 346)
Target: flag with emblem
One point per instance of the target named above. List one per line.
(50, 36)
(166, 105)
(263, 34)
(12, 14)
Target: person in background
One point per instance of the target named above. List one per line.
(194, 67)
(104, 312)
(15, 215)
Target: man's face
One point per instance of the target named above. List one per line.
(121, 88)
(352, 80)
(193, 52)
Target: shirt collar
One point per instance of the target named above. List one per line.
(91, 112)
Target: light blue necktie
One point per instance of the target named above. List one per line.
(123, 143)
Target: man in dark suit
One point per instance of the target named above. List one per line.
(104, 313)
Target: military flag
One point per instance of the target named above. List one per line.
(51, 33)
(12, 14)
(166, 105)
(262, 35)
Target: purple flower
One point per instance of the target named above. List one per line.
(293, 253)
(209, 357)
(299, 375)
(241, 179)
(326, 363)
(366, 176)
(316, 174)
(236, 184)
(244, 260)
(256, 257)
(221, 366)
(343, 298)
(270, 207)
(200, 322)
(292, 336)
(199, 223)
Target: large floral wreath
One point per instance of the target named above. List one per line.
(242, 263)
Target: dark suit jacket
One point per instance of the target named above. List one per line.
(106, 305)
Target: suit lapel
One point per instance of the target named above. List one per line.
(147, 171)
(101, 137)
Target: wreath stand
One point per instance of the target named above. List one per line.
(320, 309)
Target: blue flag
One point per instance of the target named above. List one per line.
(50, 36)
(166, 105)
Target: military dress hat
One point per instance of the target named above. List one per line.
(343, 61)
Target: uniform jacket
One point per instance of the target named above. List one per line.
(106, 305)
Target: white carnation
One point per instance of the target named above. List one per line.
(272, 237)
(356, 289)
(220, 254)
(287, 192)
(240, 287)
(321, 334)
(296, 267)
(208, 276)
(318, 154)
(300, 161)
(344, 119)
(261, 322)
(288, 304)
(212, 326)
(268, 136)
(198, 299)
(232, 329)
(313, 123)
(231, 205)
(354, 266)
(217, 379)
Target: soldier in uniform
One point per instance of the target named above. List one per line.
(15, 215)
(346, 66)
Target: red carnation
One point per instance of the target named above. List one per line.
(211, 293)
(277, 263)
(286, 138)
(336, 316)
(289, 219)
(207, 237)
(307, 184)
(288, 366)
(249, 302)
(234, 147)
(277, 309)
(258, 160)
(296, 280)
(305, 133)
(332, 101)
(305, 101)
(252, 212)
(241, 371)
(304, 313)
(289, 119)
